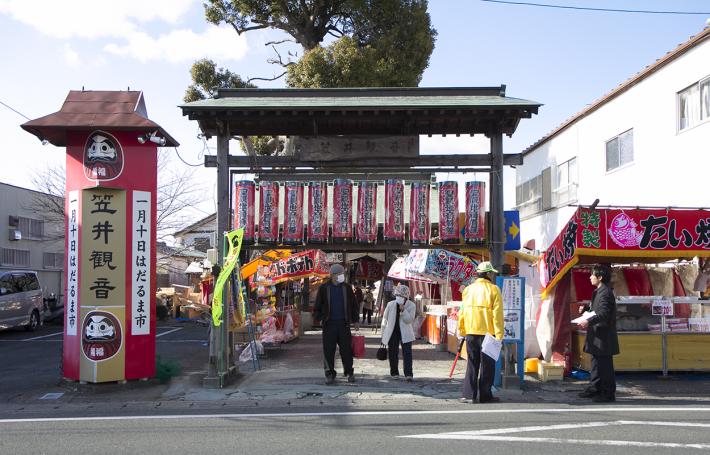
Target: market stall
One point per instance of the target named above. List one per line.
(449, 272)
(277, 286)
(663, 324)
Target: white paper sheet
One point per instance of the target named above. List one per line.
(491, 346)
(587, 315)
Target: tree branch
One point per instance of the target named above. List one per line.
(269, 79)
(287, 40)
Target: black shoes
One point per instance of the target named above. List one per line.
(329, 380)
(351, 377)
(588, 394)
(491, 400)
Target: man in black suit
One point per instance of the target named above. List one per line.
(601, 342)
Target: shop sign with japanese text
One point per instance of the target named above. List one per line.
(299, 265)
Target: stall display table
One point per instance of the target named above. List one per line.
(657, 342)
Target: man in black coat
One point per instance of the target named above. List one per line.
(601, 342)
(336, 308)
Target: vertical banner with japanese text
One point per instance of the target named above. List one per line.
(140, 260)
(72, 275)
(102, 268)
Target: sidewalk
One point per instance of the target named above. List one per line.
(292, 376)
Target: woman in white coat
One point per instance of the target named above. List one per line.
(397, 329)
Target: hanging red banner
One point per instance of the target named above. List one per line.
(419, 214)
(449, 212)
(475, 212)
(268, 212)
(394, 210)
(244, 195)
(293, 213)
(367, 212)
(317, 212)
(342, 210)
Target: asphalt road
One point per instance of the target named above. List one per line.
(31, 361)
(489, 429)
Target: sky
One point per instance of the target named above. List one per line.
(562, 58)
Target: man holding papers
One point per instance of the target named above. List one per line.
(480, 317)
(601, 342)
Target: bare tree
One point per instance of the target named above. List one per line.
(177, 193)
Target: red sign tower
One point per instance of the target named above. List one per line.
(111, 188)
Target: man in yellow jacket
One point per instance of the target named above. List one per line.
(480, 313)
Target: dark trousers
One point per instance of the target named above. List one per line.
(602, 379)
(480, 370)
(337, 333)
(366, 313)
(393, 355)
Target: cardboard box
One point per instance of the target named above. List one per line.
(549, 371)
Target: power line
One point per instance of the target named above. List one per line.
(15, 111)
(178, 155)
(607, 10)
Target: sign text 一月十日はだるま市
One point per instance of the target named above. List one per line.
(72, 277)
(141, 263)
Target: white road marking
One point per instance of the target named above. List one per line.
(581, 409)
(169, 331)
(595, 442)
(43, 336)
(494, 435)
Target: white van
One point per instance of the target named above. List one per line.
(21, 302)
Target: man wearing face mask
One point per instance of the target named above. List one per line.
(336, 308)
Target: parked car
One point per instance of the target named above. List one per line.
(21, 302)
(53, 308)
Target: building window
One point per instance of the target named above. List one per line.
(53, 260)
(565, 190)
(30, 228)
(694, 104)
(620, 150)
(201, 244)
(13, 257)
(567, 173)
(529, 196)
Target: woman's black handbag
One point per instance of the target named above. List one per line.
(382, 352)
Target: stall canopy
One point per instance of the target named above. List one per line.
(441, 265)
(264, 259)
(399, 272)
(304, 264)
(617, 235)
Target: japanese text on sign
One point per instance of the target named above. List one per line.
(140, 260)
(103, 264)
(73, 263)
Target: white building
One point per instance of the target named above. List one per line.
(646, 143)
(200, 235)
(33, 238)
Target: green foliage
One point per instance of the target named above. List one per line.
(207, 78)
(308, 22)
(380, 43)
(164, 371)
